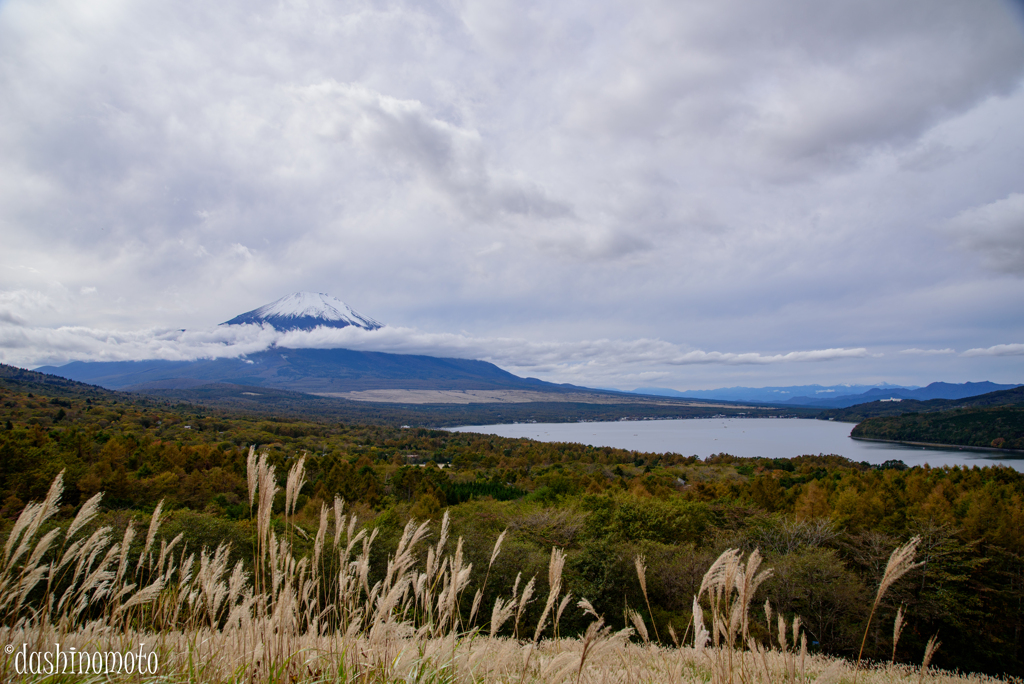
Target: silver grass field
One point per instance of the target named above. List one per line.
(318, 618)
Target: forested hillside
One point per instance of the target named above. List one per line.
(855, 414)
(999, 428)
(825, 524)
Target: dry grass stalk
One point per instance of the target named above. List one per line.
(321, 536)
(252, 473)
(897, 630)
(500, 614)
(929, 651)
(497, 546)
(796, 639)
(524, 599)
(700, 634)
(803, 656)
(730, 586)
(638, 621)
(555, 566)
(154, 525)
(296, 479)
(28, 523)
(339, 519)
(561, 608)
(595, 631)
(751, 579)
(641, 572)
(494, 556)
(900, 563)
(85, 514)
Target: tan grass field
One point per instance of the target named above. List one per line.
(231, 656)
(192, 617)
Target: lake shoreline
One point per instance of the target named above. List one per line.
(751, 438)
(934, 445)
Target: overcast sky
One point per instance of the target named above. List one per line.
(684, 194)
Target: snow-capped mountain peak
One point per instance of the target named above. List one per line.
(305, 311)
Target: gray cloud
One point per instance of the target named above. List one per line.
(996, 230)
(732, 176)
(804, 79)
(10, 317)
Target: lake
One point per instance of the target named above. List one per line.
(747, 437)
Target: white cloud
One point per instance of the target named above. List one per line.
(18, 305)
(31, 346)
(997, 350)
(927, 352)
(21, 345)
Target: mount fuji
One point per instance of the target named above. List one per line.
(306, 311)
(329, 372)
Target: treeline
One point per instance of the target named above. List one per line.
(825, 524)
(139, 450)
(1000, 428)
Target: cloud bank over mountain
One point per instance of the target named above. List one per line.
(740, 177)
(594, 360)
(21, 346)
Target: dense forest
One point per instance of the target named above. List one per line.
(998, 428)
(826, 525)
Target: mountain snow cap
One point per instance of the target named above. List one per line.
(305, 311)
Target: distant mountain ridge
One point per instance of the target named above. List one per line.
(859, 412)
(935, 390)
(777, 395)
(835, 396)
(305, 370)
(306, 311)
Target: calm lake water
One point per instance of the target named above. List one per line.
(747, 437)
